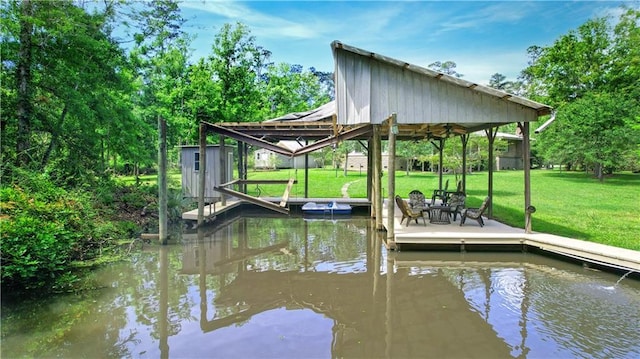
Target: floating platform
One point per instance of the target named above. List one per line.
(332, 208)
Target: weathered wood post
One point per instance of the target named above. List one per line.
(223, 169)
(491, 134)
(374, 173)
(465, 140)
(391, 204)
(162, 180)
(528, 208)
(378, 176)
(441, 143)
(306, 171)
(241, 167)
(202, 179)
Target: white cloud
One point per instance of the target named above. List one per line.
(264, 24)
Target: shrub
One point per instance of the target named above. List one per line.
(42, 229)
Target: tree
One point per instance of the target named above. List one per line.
(598, 117)
(447, 67)
(237, 64)
(62, 97)
(591, 76)
(412, 151)
(161, 52)
(289, 89)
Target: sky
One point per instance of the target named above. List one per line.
(481, 37)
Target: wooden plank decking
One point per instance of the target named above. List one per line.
(495, 233)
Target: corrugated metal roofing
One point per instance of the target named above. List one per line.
(541, 108)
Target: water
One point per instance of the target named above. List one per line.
(290, 288)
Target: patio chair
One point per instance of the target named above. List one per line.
(440, 193)
(457, 190)
(417, 202)
(407, 213)
(456, 202)
(475, 213)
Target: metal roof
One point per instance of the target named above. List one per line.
(540, 109)
(369, 88)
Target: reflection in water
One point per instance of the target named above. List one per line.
(287, 287)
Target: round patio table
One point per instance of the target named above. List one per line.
(440, 214)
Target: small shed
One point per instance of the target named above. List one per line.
(190, 160)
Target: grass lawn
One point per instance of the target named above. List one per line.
(570, 204)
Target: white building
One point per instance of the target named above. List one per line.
(267, 159)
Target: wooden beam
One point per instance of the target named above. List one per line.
(391, 204)
(255, 200)
(202, 180)
(248, 139)
(285, 195)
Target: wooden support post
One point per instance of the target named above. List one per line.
(306, 171)
(162, 180)
(465, 140)
(391, 203)
(241, 166)
(526, 164)
(369, 173)
(245, 149)
(223, 169)
(373, 172)
(378, 176)
(440, 162)
(202, 179)
(491, 134)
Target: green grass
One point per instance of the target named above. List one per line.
(570, 204)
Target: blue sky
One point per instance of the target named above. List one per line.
(481, 37)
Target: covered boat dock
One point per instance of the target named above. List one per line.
(380, 98)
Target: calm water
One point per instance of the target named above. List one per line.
(292, 288)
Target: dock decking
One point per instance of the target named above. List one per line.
(496, 233)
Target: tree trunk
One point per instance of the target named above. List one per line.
(346, 163)
(599, 171)
(23, 79)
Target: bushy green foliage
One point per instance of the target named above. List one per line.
(43, 228)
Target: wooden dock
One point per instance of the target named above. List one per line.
(495, 234)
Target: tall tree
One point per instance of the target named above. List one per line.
(588, 75)
(290, 89)
(161, 52)
(70, 84)
(238, 63)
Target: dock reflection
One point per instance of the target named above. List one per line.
(370, 300)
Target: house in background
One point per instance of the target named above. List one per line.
(358, 161)
(190, 163)
(267, 159)
(511, 158)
